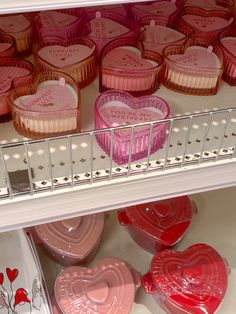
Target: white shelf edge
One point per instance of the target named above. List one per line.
(103, 196)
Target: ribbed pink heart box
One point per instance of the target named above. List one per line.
(119, 109)
(73, 241)
(7, 46)
(187, 282)
(20, 27)
(227, 43)
(13, 73)
(76, 58)
(108, 286)
(211, 5)
(126, 65)
(48, 107)
(192, 68)
(160, 225)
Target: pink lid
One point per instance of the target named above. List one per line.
(116, 8)
(14, 24)
(192, 281)
(211, 4)
(165, 221)
(108, 286)
(72, 237)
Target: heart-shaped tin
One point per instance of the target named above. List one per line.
(192, 68)
(13, 73)
(126, 65)
(7, 46)
(117, 108)
(76, 58)
(192, 281)
(49, 107)
(108, 287)
(160, 225)
(72, 241)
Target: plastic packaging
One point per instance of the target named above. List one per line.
(209, 5)
(7, 46)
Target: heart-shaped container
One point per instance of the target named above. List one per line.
(126, 65)
(115, 8)
(108, 286)
(165, 11)
(54, 111)
(7, 46)
(72, 241)
(104, 26)
(76, 58)
(13, 73)
(117, 108)
(20, 27)
(193, 67)
(156, 36)
(192, 281)
(160, 225)
(209, 5)
(227, 43)
(207, 24)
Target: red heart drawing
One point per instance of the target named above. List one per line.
(11, 274)
(108, 286)
(1, 278)
(192, 281)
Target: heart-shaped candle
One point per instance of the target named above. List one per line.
(116, 108)
(157, 226)
(108, 286)
(75, 58)
(49, 107)
(18, 26)
(13, 73)
(192, 281)
(72, 241)
(115, 8)
(211, 4)
(126, 65)
(192, 69)
(7, 46)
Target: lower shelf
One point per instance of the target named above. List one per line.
(214, 225)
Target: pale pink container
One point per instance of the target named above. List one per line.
(13, 73)
(108, 286)
(209, 5)
(126, 65)
(192, 68)
(50, 106)
(117, 108)
(72, 241)
(20, 27)
(7, 46)
(187, 282)
(76, 58)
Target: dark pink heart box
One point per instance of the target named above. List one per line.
(160, 225)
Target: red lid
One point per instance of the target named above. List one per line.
(165, 221)
(194, 280)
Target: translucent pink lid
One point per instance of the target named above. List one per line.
(193, 281)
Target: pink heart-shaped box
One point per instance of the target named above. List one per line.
(72, 241)
(192, 281)
(117, 108)
(126, 65)
(210, 5)
(13, 73)
(76, 58)
(7, 46)
(227, 43)
(115, 8)
(160, 225)
(192, 68)
(20, 27)
(48, 107)
(204, 23)
(109, 286)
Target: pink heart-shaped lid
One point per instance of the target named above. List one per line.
(163, 8)
(166, 221)
(107, 287)
(206, 4)
(51, 19)
(73, 237)
(161, 34)
(230, 44)
(14, 23)
(9, 73)
(194, 280)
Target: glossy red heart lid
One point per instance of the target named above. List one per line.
(72, 237)
(165, 221)
(194, 280)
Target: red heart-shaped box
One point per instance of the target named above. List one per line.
(13, 73)
(7, 46)
(108, 286)
(120, 109)
(72, 241)
(160, 225)
(192, 281)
